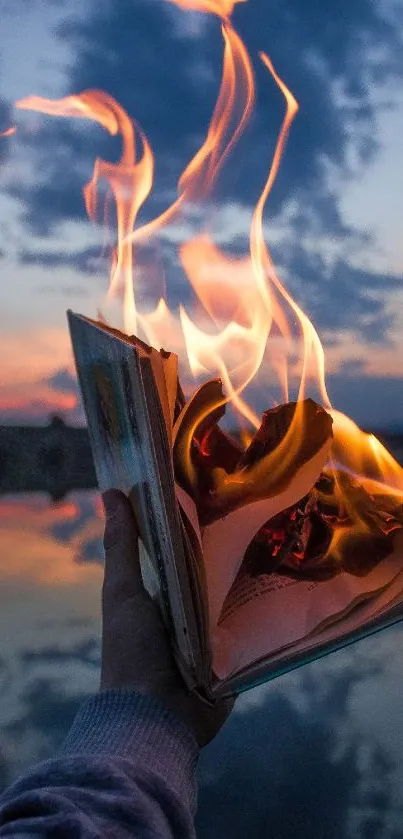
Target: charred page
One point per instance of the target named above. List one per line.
(283, 585)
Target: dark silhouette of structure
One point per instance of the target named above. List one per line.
(55, 459)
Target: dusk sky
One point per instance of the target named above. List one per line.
(334, 220)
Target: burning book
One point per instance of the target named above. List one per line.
(239, 544)
(269, 547)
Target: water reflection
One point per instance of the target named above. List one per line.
(316, 753)
(50, 571)
(301, 759)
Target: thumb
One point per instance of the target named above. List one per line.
(122, 565)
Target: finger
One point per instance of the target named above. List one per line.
(122, 565)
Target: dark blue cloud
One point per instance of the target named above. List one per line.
(261, 785)
(86, 652)
(64, 531)
(373, 403)
(135, 51)
(352, 367)
(47, 711)
(341, 296)
(274, 771)
(91, 551)
(5, 123)
(5, 777)
(87, 548)
(279, 767)
(87, 261)
(139, 52)
(63, 381)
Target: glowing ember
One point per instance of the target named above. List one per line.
(246, 324)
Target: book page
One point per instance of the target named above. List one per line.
(266, 613)
(189, 507)
(164, 384)
(359, 620)
(226, 540)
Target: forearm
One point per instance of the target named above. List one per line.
(127, 769)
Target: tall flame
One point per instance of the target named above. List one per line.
(245, 319)
(237, 92)
(130, 180)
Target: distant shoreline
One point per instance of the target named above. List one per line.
(57, 458)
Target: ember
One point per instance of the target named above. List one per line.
(298, 540)
(246, 328)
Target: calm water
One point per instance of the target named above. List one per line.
(316, 753)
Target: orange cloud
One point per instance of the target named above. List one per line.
(29, 359)
(35, 401)
(379, 361)
(30, 552)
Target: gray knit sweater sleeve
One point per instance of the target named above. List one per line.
(126, 769)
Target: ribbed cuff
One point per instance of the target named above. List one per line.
(121, 723)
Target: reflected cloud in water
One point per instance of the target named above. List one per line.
(49, 619)
(315, 753)
(302, 757)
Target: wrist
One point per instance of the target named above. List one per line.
(203, 719)
(123, 724)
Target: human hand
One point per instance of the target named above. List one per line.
(136, 653)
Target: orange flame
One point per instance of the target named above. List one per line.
(129, 180)
(225, 289)
(221, 8)
(237, 89)
(245, 321)
(252, 300)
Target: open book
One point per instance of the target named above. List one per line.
(234, 619)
